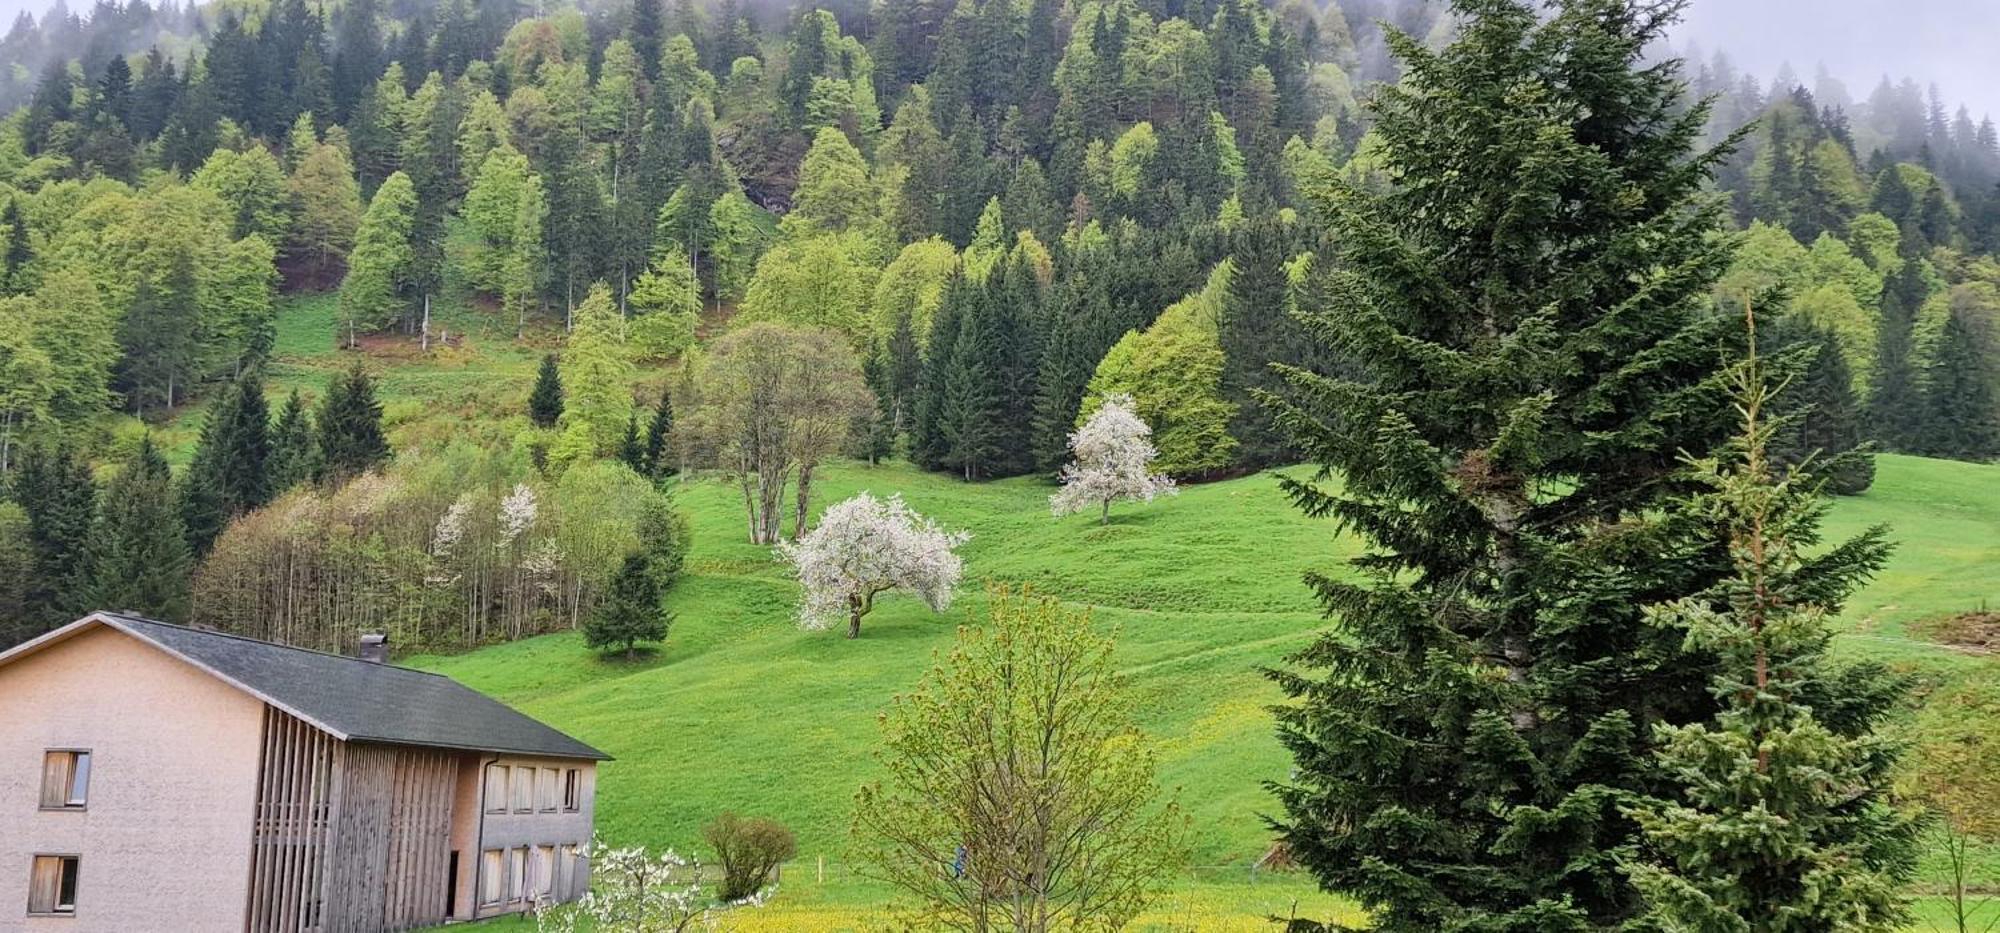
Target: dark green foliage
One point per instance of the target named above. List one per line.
(350, 429)
(895, 373)
(976, 410)
(229, 473)
(1258, 333)
(750, 851)
(14, 263)
(158, 338)
(1958, 418)
(1526, 318)
(1895, 391)
(1820, 420)
(294, 450)
(657, 460)
(1779, 813)
(139, 559)
(53, 486)
(664, 540)
(631, 451)
(545, 402)
(630, 612)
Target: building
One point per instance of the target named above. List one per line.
(156, 777)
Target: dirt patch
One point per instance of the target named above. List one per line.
(1967, 631)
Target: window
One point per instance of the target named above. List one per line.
(492, 877)
(545, 790)
(524, 790)
(52, 887)
(517, 874)
(65, 779)
(496, 788)
(566, 872)
(572, 790)
(545, 871)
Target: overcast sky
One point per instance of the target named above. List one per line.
(1955, 43)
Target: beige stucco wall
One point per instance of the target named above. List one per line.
(165, 839)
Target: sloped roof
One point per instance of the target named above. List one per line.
(352, 699)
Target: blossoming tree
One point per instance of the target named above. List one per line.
(864, 547)
(1112, 459)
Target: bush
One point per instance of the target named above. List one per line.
(750, 850)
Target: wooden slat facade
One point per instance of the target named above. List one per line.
(349, 837)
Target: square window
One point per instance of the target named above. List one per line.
(52, 887)
(65, 779)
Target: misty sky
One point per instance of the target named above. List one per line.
(1955, 43)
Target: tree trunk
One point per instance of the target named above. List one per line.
(802, 508)
(1104, 517)
(426, 344)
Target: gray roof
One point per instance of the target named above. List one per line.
(356, 700)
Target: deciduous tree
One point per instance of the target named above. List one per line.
(864, 547)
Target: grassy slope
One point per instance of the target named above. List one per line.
(744, 711)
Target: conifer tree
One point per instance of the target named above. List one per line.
(138, 554)
(53, 486)
(204, 507)
(294, 450)
(631, 450)
(1819, 419)
(656, 461)
(1958, 417)
(1257, 333)
(1526, 375)
(14, 263)
(545, 402)
(630, 612)
(1896, 394)
(350, 429)
(243, 445)
(1778, 814)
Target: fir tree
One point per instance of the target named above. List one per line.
(545, 402)
(1526, 379)
(1958, 417)
(243, 445)
(630, 612)
(54, 488)
(203, 503)
(657, 461)
(1258, 333)
(631, 450)
(350, 429)
(294, 451)
(1778, 816)
(139, 558)
(1819, 420)
(1896, 395)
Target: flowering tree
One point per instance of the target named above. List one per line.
(634, 891)
(1113, 454)
(864, 547)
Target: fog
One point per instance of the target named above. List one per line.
(1953, 43)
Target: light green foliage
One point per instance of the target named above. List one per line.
(74, 331)
(743, 231)
(1229, 162)
(1017, 762)
(1173, 371)
(327, 206)
(816, 281)
(681, 75)
(913, 285)
(835, 193)
(1876, 239)
(597, 380)
(483, 130)
(666, 302)
(379, 268)
(525, 266)
(1131, 156)
(989, 242)
(492, 210)
(251, 184)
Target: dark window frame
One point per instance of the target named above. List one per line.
(72, 802)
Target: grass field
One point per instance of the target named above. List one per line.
(743, 711)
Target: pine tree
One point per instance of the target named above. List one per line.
(243, 445)
(631, 450)
(545, 402)
(139, 558)
(1525, 381)
(350, 429)
(1958, 417)
(1896, 395)
(1258, 334)
(294, 450)
(1819, 419)
(1778, 816)
(54, 488)
(657, 459)
(630, 612)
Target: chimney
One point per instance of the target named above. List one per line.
(374, 648)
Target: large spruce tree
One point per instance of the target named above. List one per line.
(138, 555)
(1526, 353)
(350, 428)
(54, 488)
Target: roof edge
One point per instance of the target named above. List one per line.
(119, 623)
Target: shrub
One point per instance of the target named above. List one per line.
(750, 850)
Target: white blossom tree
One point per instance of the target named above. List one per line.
(864, 547)
(1112, 459)
(634, 891)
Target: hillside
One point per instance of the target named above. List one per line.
(744, 711)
